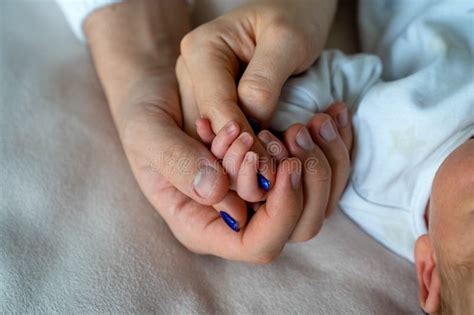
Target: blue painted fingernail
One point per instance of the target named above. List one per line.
(263, 182)
(229, 221)
(255, 125)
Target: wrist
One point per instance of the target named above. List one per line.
(133, 39)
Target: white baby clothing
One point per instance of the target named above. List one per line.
(412, 99)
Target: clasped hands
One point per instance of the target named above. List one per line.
(182, 100)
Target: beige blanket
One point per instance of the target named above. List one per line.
(78, 236)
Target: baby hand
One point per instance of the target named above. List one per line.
(243, 166)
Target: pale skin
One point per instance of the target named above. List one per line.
(451, 224)
(135, 46)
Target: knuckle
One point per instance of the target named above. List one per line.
(342, 160)
(199, 39)
(324, 116)
(265, 258)
(324, 173)
(220, 108)
(296, 36)
(318, 167)
(256, 89)
(287, 31)
(210, 108)
(188, 42)
(282, 26)
(175, 161)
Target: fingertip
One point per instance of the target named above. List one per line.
(273, 145)
(233, 211)
(224, 139)
(339, 113)
(323, 129)
(289, 137)
(210, 184)
(286, 194)
(247, 187)
(204, 130)
(342, 118)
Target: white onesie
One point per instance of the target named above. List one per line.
(412, 97)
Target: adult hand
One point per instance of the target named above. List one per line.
(323, 149)
(313, 168)
(271, 40)
(134, 53)
(135, 45)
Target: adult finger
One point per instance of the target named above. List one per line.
(154, 143)
(213, 67)
(324, 133)
(273, 62)
(342, 117)
(264, 236)
(233, 211)
(202, 230)
(272, 224)
(316, 181)
(273, 145)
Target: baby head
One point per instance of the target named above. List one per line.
(445, 256)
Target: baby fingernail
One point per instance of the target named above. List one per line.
(205, 181)
(303, 139)
(254, 124)
(230, 127)
(246, 138)
(229, 221)
(265, 136)
(343, 118)
(263, 182)
(327, 131)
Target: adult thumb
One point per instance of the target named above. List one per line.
(261, 83)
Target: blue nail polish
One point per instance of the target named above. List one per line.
(255, 125)
(263, 182)
(229, 221)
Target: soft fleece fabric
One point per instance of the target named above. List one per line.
(77, 235)
(412, 99)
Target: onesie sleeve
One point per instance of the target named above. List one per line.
(333, 77)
